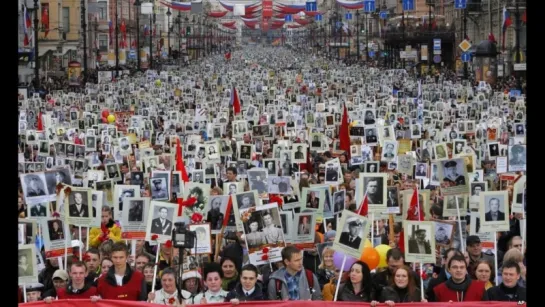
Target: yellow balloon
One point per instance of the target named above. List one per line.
(382, 250)
(367, 243)
(111, 118)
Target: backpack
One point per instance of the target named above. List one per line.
(310, 280)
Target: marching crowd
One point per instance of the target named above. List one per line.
(107, 268)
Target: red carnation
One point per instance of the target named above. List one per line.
(265, 250)
(265, 257)
(189, 202)
(196, 217)
(59, 188)
(154, 237)
(171, 300)
(168, 244)
(67, 191)
(56, 214)
(424, 275)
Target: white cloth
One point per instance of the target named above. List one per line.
(218, 297)
(161, 297)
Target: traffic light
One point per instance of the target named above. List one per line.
(188, 30)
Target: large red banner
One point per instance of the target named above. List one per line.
(267, 11)
(111, 303)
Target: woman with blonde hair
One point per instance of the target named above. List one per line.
(326, 269)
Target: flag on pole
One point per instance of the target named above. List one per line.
(40, 122)
(180, 166)
(45, 20)
(228, 211)
(27, 25)
(506, 22)
(364, 207)
(235, 101)
(344, 137)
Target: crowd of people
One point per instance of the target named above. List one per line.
(357, 149)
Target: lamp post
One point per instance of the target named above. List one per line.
(178, 21)
(137, 4)
(168, 34)
(430, 39)
(151, 22)
(36, 50)
(466, 72)
(358, 34)
(517, 42)
(116, 43)
(84, 28)
(367, 37)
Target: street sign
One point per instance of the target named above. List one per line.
(436, 59)
(460, 4)
(408, 5)
(466, 57)
(465, 45)
(519, 67)
(383, 15)
(371, 54)
(436, 44)
(348, 16)
(369, 6)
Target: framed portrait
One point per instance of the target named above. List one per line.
(204, 238)
(372, 166)
(421, 170)
(453, 175)
(216, 214)
(312, 199)
(160, 185)
(244, 200)
(271, 165)
(27, 230)
(199, 191)
(257, 180)
(305, 227)
(419, 241)
(476, 188)
(279, 185)
(97, 201)
(27, 265)
(393, 200)
(262, 228)
(519, 195)
(160, 220)
(286, 218)
(38, 211)
(444, 232)
(494, 211)
(231, 188)
(299, 153)
(56, 237)
(517, 158)
(441, 151)
(113, 172)
(487, 238)
(120, 192)
(35, 188)
(374, 186)
(351, 238)
(450, 203)
(79, 210)
(135, 219)
(106, 186)
(338, 202)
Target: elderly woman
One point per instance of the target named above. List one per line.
(168, 294)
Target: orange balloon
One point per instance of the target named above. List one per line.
(371, 257)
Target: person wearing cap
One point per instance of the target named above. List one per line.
(517, 157)
(247, 289)
(60, 277)
(77, 288)
(351, 237)
(475, 252)
(299, 155)
(158, 192)
(121, 282)
(34, 292)
(452, 177)
(191, 286)
(419, 244)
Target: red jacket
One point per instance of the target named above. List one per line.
(474, 293)
(63, 294)
(134, 286)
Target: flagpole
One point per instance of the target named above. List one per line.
(339, 279)
(459, 224)
(36, 49)
(421, 263)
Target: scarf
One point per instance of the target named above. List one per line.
(225, 282)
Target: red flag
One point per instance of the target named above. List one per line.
(45, 19)
(228, 211)
(228, 55)
(180, 166)
(309, 165)
(235, 101)
(364, 207)
(415, 211)
(40, 123)
(344, 133)
(401, 244)
(524, 16)
(491, 37)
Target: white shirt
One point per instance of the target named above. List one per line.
(119, 279)
(211, 297)
(161, 297)
(248, 292)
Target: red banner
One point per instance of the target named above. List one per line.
(267, 10)
(265, 25)
(111, 303)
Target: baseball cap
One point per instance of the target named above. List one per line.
(473, 240)
(60, 274)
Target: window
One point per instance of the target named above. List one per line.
(102, 10)
(103, 42)
(66, 19)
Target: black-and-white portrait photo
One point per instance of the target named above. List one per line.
(517, 158)
(421, 170)
(136, 210)
(245, 200)
(454, 175)
(419, 239)
(443, 233)
(270, 165)
(161, 221)
(339, 201)
(245, 152)
(350, 237)
(113, 172)
(78, 204)
(494, 211)
(159, 189)
(34, 185)
(374, 187)
(216, 214)
(389, 151)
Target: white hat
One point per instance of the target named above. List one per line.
(191, 274)
(76, 243)
(353, 220)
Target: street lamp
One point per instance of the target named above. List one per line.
(151, 22)
(116, 44)
(430, 39)
(36, 52)
(168, 34)
(137, 4)
(358, 33)
(178, 21)
(84, 28)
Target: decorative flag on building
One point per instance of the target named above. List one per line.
(505, 24)
(45, 19)
(111, 31)
(26, 25)
(123, 29)
(146, 30)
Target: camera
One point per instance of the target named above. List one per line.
(182, 237)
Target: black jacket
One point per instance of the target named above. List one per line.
(382, 279)
(239, 294)
(435, 282)
(399, 296)
(322, 277)
(503, 294)
(348, 295)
